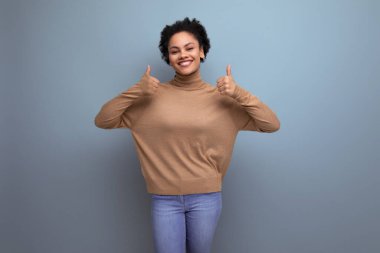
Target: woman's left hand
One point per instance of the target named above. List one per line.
(226, 84)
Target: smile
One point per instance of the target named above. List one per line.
(185, 63)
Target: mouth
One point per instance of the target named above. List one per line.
(185, 63)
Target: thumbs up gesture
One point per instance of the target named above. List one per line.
(226, 84)
(148, 83)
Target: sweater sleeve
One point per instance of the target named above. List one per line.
(121, 111)
(258, 117)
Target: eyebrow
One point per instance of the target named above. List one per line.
(184, 46)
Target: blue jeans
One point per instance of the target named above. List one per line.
(185, 223)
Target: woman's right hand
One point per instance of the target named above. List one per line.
(148, 83)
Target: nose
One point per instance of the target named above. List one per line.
(183, 54)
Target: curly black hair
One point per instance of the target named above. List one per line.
(192, 26)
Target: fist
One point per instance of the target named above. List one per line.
(226, 84)
(148, 83)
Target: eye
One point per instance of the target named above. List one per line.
(190, 48)
(173, 52)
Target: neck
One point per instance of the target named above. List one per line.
(192, 81)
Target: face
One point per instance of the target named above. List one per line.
(185, 53)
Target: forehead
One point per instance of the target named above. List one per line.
(180, 39)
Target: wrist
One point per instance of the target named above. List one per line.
(236, 92)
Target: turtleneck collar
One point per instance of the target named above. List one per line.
(188, 82)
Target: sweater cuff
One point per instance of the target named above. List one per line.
(241, 95)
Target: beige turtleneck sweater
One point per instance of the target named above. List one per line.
(185, 132)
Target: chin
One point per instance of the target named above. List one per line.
(186, 72)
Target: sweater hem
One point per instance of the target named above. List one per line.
(166, 186)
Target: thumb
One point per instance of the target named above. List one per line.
(148, 70)
(228, 70)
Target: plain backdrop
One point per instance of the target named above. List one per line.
(312, 187)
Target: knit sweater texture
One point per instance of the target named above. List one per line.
(185, 132)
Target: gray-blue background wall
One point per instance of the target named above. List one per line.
(69, 187)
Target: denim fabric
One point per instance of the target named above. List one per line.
(185, 223)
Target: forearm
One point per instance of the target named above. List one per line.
(264, 118)
(111, 113)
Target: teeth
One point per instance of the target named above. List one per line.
(185, 63)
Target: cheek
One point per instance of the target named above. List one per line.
(172, 58)
(198, 54)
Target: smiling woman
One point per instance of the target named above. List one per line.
(184, 132)
(185, 53)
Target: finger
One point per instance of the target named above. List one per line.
(155, 79)
(148, 70)
(228, 70)
(222, 88)
(219, 85)
(220, 79)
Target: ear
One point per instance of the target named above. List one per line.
(202, 53)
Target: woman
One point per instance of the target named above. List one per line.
(184, 131)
